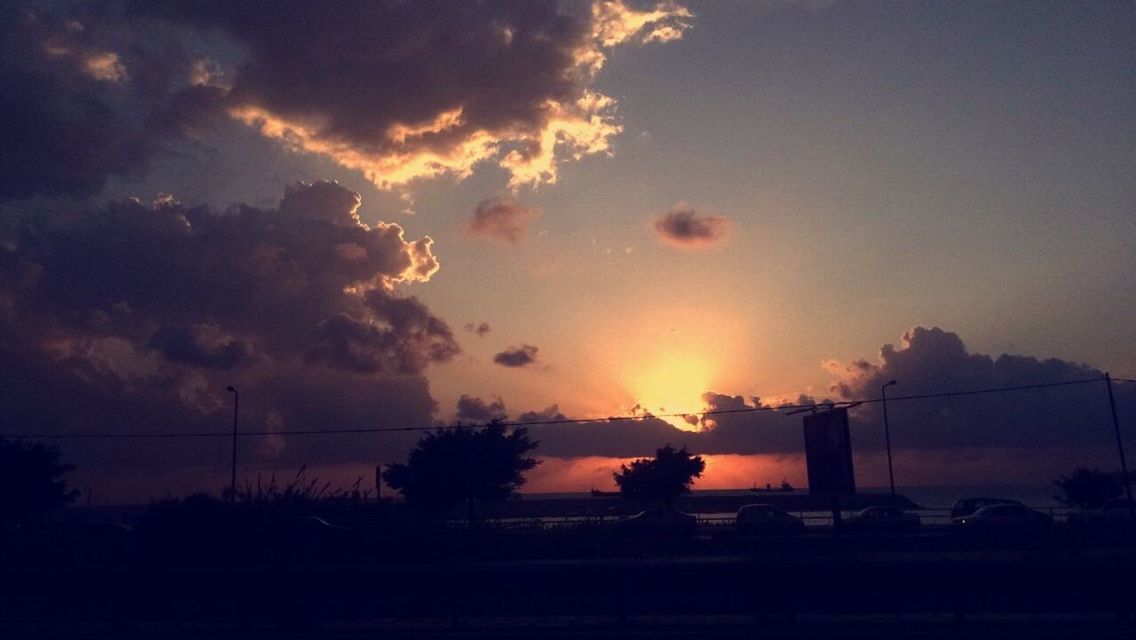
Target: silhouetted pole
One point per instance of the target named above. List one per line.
(887, 434)
(1120, 447)
(233, 470)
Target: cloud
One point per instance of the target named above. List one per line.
(59, 92)
(480, 329)
(140, 316)
(686, 228)
(476, 410)
(408, 91)
(432, 88)
(616, 23)
(551, 412)
(521, 356)
(934, 360)
(1017, 427)
(203, 345)
(502, 219)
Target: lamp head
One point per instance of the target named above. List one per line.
(231, 388)
(891, 383)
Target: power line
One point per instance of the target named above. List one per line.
(540, 423)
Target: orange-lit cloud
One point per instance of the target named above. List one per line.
(615, 22)
(105, 65)
(548, 65)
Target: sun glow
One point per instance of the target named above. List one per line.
(661, 358)
(672, 383)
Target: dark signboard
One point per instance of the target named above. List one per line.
(828, 454)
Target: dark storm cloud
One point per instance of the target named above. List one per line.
(1074, 418)
(502, 219)
(60, 92)
(933, 360)
(140, 315)
(521, 356)
(199, 345)
(397, 90)
(746, 432)
(402, 90)
(686, 228)
(477, 411)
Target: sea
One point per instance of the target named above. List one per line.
(934, 501)
(927, 497)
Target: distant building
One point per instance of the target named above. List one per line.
(828, 454)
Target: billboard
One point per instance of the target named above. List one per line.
(828, 454)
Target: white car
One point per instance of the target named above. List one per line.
(766, 518)
(1003, 517)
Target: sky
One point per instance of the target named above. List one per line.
(386, 214)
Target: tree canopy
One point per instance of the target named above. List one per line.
(662, 478)
(464, 464)
(1088, 488)
(31, 479)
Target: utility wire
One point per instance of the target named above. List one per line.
(540, 423)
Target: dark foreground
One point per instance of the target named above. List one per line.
(923, 585)
(841, 627)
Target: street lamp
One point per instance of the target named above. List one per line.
(233, 476)
(887, 434)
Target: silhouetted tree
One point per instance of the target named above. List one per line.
(31, 479)
(466, 464)
(1088, 488)
(661, 479)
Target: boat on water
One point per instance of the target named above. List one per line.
(785, 487)
(596, 493)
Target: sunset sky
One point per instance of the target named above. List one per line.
(391, 214)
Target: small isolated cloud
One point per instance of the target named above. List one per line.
(686, 228)
(481, 329)
(473, 409)
(502, 219)
(521, 356)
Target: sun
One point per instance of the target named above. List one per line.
(664, 358)
(672, 382)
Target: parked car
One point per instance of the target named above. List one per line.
(766, 518)
(882, 520)
(1003, 517)
(967, 506)
(1115, 512)
(662, 521)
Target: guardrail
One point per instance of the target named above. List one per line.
(934, 516)
(817, 519)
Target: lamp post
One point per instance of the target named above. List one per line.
(887, 434)
(233, 475)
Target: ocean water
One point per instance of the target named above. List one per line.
(928, 497)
